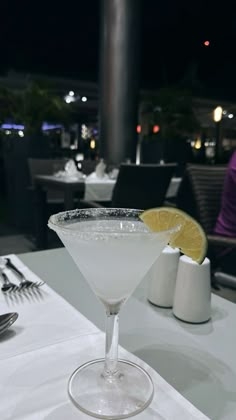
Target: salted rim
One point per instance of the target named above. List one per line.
(99, 212)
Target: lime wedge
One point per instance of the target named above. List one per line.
(190, 239)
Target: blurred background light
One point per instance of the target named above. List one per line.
(156, 128)
(217, 114)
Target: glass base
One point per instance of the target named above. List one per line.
(123, 394)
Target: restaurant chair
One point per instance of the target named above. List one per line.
(87, 166)
(142, 186)
(54, 199)
(47, 167)
(200, 196)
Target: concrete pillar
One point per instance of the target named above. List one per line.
(119, 79)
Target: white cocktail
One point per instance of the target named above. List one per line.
(114, 257)
(113, 249)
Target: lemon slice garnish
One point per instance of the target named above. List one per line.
(190, 238)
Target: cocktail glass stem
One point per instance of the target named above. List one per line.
(111, 348)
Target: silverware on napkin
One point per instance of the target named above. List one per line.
(7, 286)
(6, 320)
(24, 282)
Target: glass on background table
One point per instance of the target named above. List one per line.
(113, 249)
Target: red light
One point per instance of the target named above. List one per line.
(139, 129)
(156, 128)
(206, 43)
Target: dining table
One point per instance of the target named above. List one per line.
(193, 365)
(90, 188)
(95, 189)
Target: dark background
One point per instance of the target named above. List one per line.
(63, 40)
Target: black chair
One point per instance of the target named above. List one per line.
(47, 167)
(142, 186)
(55, 199)
(200, 196)
(139, 186)
(87, 166)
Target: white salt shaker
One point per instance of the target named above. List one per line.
(192, 299)
(162, 278)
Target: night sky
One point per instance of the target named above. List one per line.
(63, 40)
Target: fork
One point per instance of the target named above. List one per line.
(24, 283)
(8, 286)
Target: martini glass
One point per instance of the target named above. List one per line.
(113, 249)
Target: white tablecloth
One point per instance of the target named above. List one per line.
(101, 189)
(98, 189)
(47, 343)
(173, 187)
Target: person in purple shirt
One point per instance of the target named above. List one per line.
(226, 220)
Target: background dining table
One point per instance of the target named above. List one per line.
(95, 189)
(197, 360)
(89, 188)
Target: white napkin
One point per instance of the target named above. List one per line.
(94, 178)
(70, 172)
(44, 317)
(34, 381)
(114, 173)
(70, 167)
(100, 169)
(34, 385)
